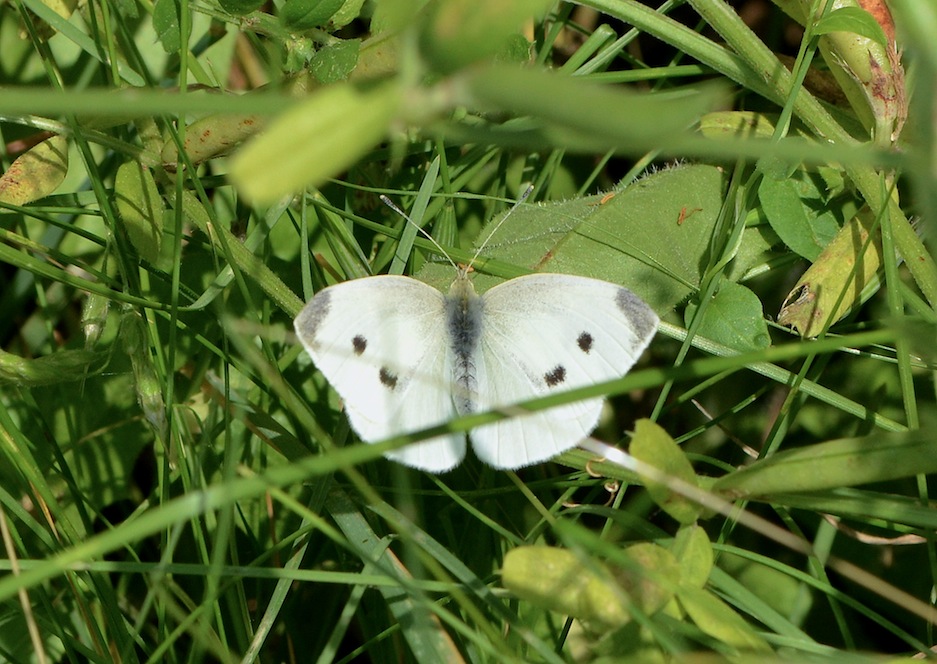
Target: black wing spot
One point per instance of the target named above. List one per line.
(555, 376)
(585, 342)
(388, 378)
(360, 344)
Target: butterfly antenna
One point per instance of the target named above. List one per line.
(389, 203)
(520, 201)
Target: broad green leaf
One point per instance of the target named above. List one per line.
(654, 446)
(307, 14)
(166, 24)
(616, 237)
(219, 134)
(734, 318)
(737, 124)
(140, 207)
(314, 140)
(879, 457)
(335, 62)
(36, 173)
(349, 11)
(851, 19)
(798, 212)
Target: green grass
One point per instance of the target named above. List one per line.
(177, 481)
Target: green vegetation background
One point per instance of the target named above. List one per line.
(177, 483)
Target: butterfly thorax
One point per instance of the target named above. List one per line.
(464, 319)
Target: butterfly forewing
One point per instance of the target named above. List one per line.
(382, 344)
(548, 333)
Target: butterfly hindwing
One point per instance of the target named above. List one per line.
(382, 344)
(547, 333)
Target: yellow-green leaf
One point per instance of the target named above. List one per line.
(693, 549)
(60, 367)
(717, 619)
(837, 280)
(654, 446)
(36, 173)
(556, 579)
(314, 140)
(141, 208)
(458, 33)
(879, 457)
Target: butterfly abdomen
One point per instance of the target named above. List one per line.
(464, 321)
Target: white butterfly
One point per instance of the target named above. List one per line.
(405, 357)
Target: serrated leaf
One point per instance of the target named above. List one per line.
(851, 19)
(36, 173)
(654, 446)
(140, 208)
(733, 317)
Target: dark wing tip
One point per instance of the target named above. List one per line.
(312, 315)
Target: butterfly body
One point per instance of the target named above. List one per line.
(405, 357)
(464, 322)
